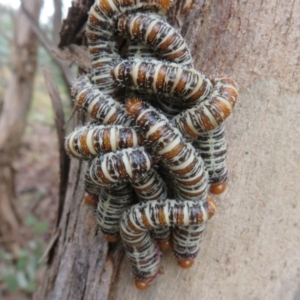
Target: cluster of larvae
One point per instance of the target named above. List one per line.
(157, 145)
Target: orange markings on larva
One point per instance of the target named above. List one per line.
(199, 93)
(186, 169)
(83, 144)
(206, 122)
(188, 130)
(212, 207)
(182, 82)
(106, 7)
(81, 98)
(106, 140)
(153, 33)
(167, 43)
(102, 177)
(133, 228)
(112, 119)
(145, 221)
(93, 20)
(221, 106)
(173, 56)
(161, 77)
(199, 217)
(172, 153)
(133, 106)
(94, 110)
(162, 217)
(218, 188)
(180, 218)
(122, 170)
(135, 29)
(141, 74)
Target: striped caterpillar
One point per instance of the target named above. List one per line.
(211, 113)
(184, 86)
(98, 105)
(158, 35)
(89, 141)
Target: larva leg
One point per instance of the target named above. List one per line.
(113, 202)
(212, 148)
(136, 222)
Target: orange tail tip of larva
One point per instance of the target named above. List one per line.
(218, 188)
(212, 207)
(133, 106)
(185, 263)
(111, 238)
(144, 283)
(164, 244)
(91, 199)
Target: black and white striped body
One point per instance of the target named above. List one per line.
(186, 87)
(97, 105)
(88, 141)
(212, 148)
(167, 43)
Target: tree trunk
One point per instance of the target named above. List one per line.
(13, 119)
(250, 249)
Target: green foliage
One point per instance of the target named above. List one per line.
(20, 275)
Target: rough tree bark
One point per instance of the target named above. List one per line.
(13, 119)
(250, 249)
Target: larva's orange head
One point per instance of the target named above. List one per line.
(165, 4)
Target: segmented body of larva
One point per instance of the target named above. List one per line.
(88, 141)
(157, 34)
(96, 104)
(211, 113)
(187, 87)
